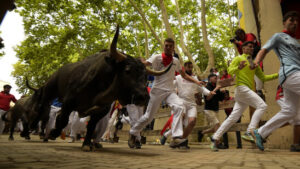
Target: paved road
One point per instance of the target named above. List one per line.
(60, 154)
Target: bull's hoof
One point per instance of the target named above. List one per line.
(45, 140)
(11, 138)
(54, 134)
(86, 148)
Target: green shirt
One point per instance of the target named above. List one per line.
(245, 76)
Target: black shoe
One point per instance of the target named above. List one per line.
(178, 142)
(239, 147)
(143, 140)
(200, 136)
(295, 148)
(131, 141)
(138, 144)
(221, 146)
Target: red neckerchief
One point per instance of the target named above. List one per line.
(289, 33)
(166, 60)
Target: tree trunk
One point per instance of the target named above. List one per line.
(168, 27)
(182, 44)
(146, 21)
(211, 57)
(146, 41)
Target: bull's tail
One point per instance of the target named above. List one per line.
(28, 85)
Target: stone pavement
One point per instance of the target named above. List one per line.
(60, 154)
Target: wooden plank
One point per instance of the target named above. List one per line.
(226, 82)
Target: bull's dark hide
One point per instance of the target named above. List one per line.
(91, 85)
(24, 109)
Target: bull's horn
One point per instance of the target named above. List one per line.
(158, 73)
(28, 85)
(113, 48)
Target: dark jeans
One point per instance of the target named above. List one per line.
(238, 136)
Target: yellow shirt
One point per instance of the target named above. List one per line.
(245, 76)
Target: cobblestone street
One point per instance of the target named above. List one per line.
(61, 154)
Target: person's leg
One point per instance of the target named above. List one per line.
(106, 134)
(260, 107)
(213, 121)
(51, 122)
(156, 96)
(288, 111)
(134, 113)
(100, 128)
(238, 137)
(191, 115)
(291, 92)
(177, 107)
(2, 123)
(238, 108)
(74, 127)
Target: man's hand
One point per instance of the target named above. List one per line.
(201, 83)
(212, 93)
(242, 64)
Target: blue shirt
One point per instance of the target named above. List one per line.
(56, 103)
(288, 51)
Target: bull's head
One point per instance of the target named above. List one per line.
(131, 76)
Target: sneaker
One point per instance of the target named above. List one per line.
(163, 140)
(131, 141)
(213, 144)
(177, 142)
(295, 148)
(258, 140)
(200, 136)
(248, 137)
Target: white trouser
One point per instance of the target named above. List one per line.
(156, 97)
(244, 97)
(2, 123)
(190, 112)
(20, 125)
(135, 113)
(167, 133)
(258, 83)
(101, 127)
(294, 121)
(77, 125)
(52, 118)
(110, 126)
(290, 107)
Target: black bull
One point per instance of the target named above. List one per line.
(91, 85)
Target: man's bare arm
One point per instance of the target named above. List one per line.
(260, 56)
(189, 78)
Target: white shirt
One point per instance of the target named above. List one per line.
(165, 81)
(187, 89)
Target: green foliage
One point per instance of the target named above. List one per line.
(60, 32)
